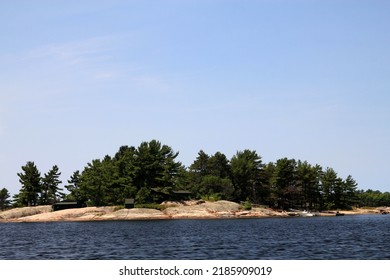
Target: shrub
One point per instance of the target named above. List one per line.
(118, 207)
(247, 205)
(212, 197)
(150, 206)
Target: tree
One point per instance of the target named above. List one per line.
(331, 189)
(308, 179)
(197, 171)
(210, 176)
(201, 164)
(284, 183)
(124, 168)
(349, 193)
(373, 198)
(218, 165)
(4, 199)
(96, 180)
(130, 173)
(155, 166)
(30, 180)
(247, 171)
(50, 192)
(268, 173)
(75, 193)
(219, 181)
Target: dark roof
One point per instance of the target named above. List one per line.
(182, 192)
(66, 203)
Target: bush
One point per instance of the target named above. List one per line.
(247, 205)
(212, 197)
(150, 206)
(118, 207)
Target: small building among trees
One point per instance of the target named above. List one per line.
(129, 203)
(67, 204)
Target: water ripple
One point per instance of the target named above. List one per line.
(348, 237)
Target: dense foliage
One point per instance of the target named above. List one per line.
(38, 190)
(4, 199)
(150, 173)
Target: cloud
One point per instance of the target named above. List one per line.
(60, 67)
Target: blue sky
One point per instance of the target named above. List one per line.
(300, 79)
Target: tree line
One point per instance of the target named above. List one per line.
(151, 169)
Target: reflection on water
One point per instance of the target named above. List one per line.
(349, 237)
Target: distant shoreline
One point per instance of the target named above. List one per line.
(188, 210)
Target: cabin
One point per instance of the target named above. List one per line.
(181, 195)
(159, 195)
(66, 204)
(129, 203)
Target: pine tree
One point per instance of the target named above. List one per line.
(4, 199)
(30, 180)
(50, 192)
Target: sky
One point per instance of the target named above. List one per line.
(302, 79)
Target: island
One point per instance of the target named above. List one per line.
(193, 209)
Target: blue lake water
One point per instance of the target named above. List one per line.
(362, 237)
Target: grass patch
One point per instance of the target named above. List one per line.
(150, 206)
(118, 207)
(212, 197)
(247, 205)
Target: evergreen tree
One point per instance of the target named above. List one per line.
(308, 179)
(30, 180)
(73, 187)
(201, 164)
(96, 180)
(331, 189)
(50, 192)
(350, 198)
(124, 171)
(4, 199)
(197, 171)
(284, 183)
(218, 165)
(268, 174)
(155, 166)
(210, 176)
(247, 176)
(130, 173)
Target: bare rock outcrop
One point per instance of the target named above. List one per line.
(195, 209)
(216, 209)
(77, 214)
(24, 212)
(135, 214)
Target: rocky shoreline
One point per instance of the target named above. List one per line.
(173, 210)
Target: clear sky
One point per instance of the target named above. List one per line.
(303, 79)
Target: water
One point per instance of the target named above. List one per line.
(350, 237)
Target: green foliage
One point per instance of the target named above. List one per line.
(371, 198)
(309, 180)
(247, 205)
(151, 206)
(118, 207)
(247, 175)
(50, 192)
(284, 182)
(36, 190)
(4, 199)
(30, 179)
(208, 176)
(143, 195)
(151, 173)
(132, 172)
(212, 197)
